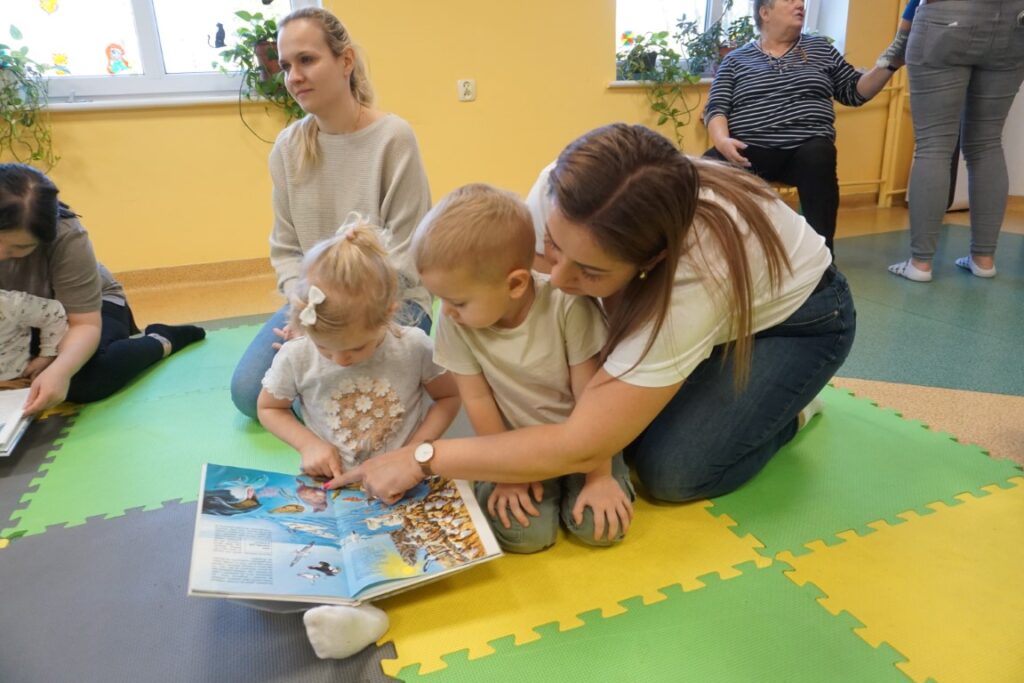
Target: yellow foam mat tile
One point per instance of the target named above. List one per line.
(943, 588)
(667, 545)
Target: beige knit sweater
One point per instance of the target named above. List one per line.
(376, 171)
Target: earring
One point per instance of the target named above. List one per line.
(643, 275)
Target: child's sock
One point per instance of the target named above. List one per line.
(967, 263)
(178, 336)
(815, 407)
(908, 270)
(339, 631)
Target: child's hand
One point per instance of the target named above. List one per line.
(321, 459)
(515, 497)
(609, 503)
(37, 365)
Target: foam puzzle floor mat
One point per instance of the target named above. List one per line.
(105, 602)
(870, 548)
(957, 331)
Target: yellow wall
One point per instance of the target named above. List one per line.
(169, 187)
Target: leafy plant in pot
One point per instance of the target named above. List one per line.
(254, 56)
(25, 132)
(653, 59)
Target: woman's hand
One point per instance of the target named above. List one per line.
(386, 477)
(49, 388)
(285, 333)
(611, 506)
(36, 366)
(730, 149)
(321, 459)
(515, 498)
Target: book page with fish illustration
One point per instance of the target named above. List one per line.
(435, 529)
(277, 536)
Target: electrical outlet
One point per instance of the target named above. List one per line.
(466, 89)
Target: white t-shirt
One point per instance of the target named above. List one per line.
(527, 367)
(539, 203)
(364, 409)
(697, 319)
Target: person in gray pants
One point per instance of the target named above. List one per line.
(965, 61)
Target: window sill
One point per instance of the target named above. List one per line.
(143, 102)
(636, 85)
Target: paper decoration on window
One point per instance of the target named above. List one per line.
(48, 6)
(116, 62)
(60, 64)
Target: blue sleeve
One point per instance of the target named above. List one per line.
(908, 12)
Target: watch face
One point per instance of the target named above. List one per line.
(423, 452)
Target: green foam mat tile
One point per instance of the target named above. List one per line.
(853, 465)
(124, 453)
(755, 627)
(204, 366)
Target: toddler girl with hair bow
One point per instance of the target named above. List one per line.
(364, 385)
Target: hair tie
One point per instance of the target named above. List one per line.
(308, 314)
(352, 221)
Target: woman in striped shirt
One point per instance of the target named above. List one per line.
(770, 108)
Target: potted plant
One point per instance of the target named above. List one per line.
(739, 32)
(254, 56)
(653, 59)
(705, 48)
(640, 60)
(24, 117)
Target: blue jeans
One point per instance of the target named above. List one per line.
(966, 62)
(247, 381)
(710, 439)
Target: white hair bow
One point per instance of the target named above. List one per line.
(308, 315)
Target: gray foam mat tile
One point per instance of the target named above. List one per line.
(19, 469)
(106, 602)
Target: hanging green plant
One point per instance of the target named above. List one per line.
(25, 132)
(254, 56)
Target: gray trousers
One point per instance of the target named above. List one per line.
(965, 60)
(559, 498)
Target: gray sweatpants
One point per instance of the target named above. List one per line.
(966, 64)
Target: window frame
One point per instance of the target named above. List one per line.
(154, 87)
(714, 8)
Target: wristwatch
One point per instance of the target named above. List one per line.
(424, 455)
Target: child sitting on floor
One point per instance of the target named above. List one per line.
(20, 312)
(364, 386)
(521, 351)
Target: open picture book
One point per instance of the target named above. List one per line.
(275, 536)
(12, 423)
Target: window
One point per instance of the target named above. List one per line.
(137, 49)
(640, 16)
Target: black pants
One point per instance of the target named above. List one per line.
(811, 167)
(117, 360)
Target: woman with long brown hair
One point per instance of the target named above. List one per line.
(726, 318)
(343, 156)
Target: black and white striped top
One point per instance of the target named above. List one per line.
(782, 102)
